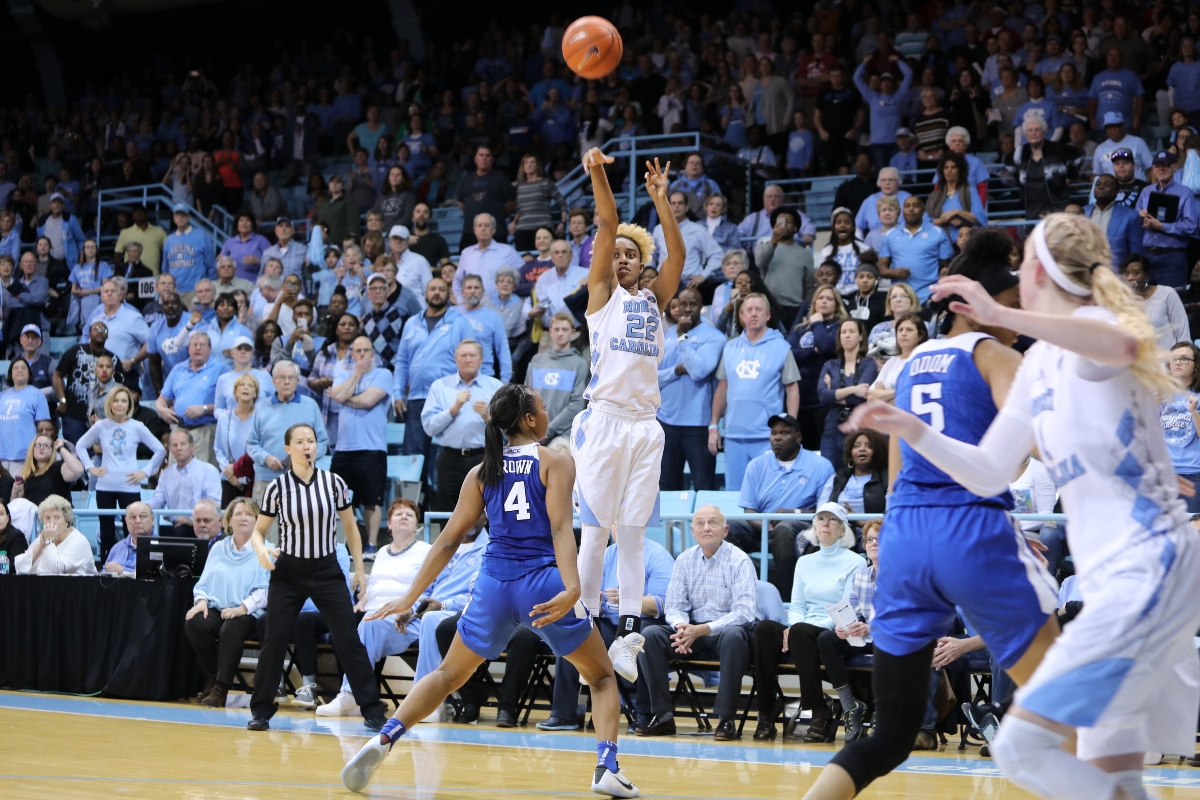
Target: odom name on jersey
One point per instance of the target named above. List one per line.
(642, 321)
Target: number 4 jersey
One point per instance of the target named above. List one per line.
(941, 385)
(627, 345)
(519, 540)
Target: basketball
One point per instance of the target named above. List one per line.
(592, 47)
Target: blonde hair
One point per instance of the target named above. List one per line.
(912, 298)
(840, 314)
(253, 382)
(108, 401)
(227, 517)
(1081, 251)
(639, 236)
(885, 201)
(29, 468)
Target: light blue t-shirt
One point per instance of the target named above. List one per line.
(364, 428)
(1114, 91)
(800, 150)
(188, 387)
(1179, 429)
(20, 411)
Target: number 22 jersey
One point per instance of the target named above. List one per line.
(941, 385)
(519, 538)
(627, 346)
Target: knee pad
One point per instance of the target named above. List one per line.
(1032, 757)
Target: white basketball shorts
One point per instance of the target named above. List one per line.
(618, 459)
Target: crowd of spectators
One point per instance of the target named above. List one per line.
(334, 301)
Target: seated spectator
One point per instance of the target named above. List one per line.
(866, 219)
(271, 421)
(711, 608)
(230, 600)
(395, 567)
(910, 333)
(860, 484)
(760, 224)
(918, 246)
(786, 480)
(723, 232)
(564, 714)
(60, 549)
(844, 383)
(42, 475)
(25, 299)
(1034, 492)
(821, 578)
(310, 626)
(1160, 303)
(13, 542)
(183, 483)
(118, 476)
(560, 375)
(206, 520)
(139, 521)
(1178, 416)
(23, 407)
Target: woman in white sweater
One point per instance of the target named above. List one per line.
(118, 476)
(393, 572)
(60, 549)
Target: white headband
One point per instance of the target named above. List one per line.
(1051, 266)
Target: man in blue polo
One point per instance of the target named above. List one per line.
(426, 353)
(188, 254)
(264, 445)
(162, 347)
(189, 396)
(1167, 230)
(918, 246)
(786, 480)
(686, 380)
(127, 329)
(488, 329)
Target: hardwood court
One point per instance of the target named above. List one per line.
(81, 748)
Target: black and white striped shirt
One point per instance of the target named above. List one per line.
(307, 512)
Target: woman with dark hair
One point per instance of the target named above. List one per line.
(747, 282)
(381, 160)
(1160, 303)
(396, 199)
(333, 356)
(268, 331)
(844, 383)
(593, 128)
(12, 541)
(954, 202)
(535, 195)
(207, 187)
(860, 485)
(1045, 169)
(229, 165)
(525, 489)
(968, 103)
(910, 332)
(24, 405)
(1180, 419)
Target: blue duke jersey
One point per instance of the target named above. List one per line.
(942, 386)
(519, 540)
(627, 346)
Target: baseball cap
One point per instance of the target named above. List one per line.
(1114, 118)
(179, 208)
(834, 509)
(788, 418)
(57, 196)
(34, 329)
(283, 221)
(337, 176)
(887, 76)
(1122, 152)
(243, 341)
(398, 231)
(903, 132)
(1164, 157)
(375, 276)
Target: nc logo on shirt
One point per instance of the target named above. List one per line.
(747, 370)
(924, 235)
(551, 379)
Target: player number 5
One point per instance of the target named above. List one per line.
(922, 403)
(516, 501)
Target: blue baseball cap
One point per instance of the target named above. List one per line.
(180, 208)
(1114, 118)
(1164, 157)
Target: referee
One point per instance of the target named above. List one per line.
(307, 502)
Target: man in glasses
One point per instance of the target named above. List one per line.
(75, 376)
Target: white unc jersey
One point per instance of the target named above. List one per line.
(627, 346)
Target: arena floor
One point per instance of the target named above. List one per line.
(67, 747)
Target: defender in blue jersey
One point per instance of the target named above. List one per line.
(943, 546)
(525, 491)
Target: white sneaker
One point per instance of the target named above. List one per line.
(358, 771)
(612, 784)
(341, 706)
(306, 696)
(1152, 759)
(624, 652)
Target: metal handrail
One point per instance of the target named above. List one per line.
(159, 195)
(669, 519)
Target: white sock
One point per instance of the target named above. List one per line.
(1130, 780)
(631, 568)
(591, 566)
(1032, 757)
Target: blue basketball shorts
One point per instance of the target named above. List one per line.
(497, 608)
(935, 559)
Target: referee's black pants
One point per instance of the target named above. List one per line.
(293, 581)
(453, 465)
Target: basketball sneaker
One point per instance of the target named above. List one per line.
(306, 696)
(624, 652)
(341, 706)
(611, 784)
(358, 771)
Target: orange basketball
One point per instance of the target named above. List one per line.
(592, 47)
